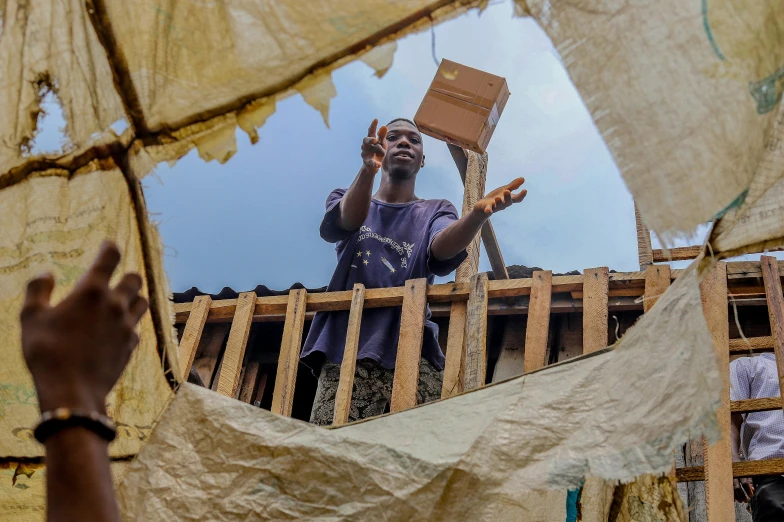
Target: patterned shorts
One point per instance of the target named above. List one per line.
(372, 390)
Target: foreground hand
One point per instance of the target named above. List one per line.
(78, 349)
(501, 198)
(744, 489)
(374, 147)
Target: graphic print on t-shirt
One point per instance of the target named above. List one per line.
(403, 249)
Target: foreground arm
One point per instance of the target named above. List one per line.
(76, 352)
(457, 236)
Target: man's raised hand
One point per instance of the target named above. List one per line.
(374, 147)
(77, 349)
(501, 198)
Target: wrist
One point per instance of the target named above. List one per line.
(72, 397)
(73, 436)
(367, 171)
(478, 217)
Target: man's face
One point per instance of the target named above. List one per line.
(404, 151)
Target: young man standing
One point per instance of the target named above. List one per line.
(382, 241)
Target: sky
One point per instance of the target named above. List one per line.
(255, 219)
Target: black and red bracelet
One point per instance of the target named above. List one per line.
(58, 419)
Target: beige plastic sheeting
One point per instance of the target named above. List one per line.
(614, 415)
(50, 45)
(758, 224)
(685, 94)
(190, 59)
(56, 222)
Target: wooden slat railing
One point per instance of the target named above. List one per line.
(476, 334)
(349, 365)
(467, 338)
(409, 347)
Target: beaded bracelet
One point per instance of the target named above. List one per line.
(60, 418)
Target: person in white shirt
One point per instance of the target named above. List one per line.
(758, 435)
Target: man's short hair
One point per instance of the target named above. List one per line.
(405, 120)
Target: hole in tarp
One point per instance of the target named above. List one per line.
(50, 128)
(119, 126)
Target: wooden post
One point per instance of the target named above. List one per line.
(770, 275)
(719, 495)
(192, 334)
(595, 308)
(233, 356)
(476, 173)
(644, 248)
(476, 334)
(538, 326)
(657, 281)
(349, 364)
(475, 168)
(455, 344)
(409, 348)
(290, 346)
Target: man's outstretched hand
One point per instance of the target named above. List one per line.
(501, 198)
(374, 147)
(78, 349)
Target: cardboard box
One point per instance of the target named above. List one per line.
(462, 106)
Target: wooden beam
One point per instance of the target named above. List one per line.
(746, 468)
(644, 253)
(538, 326)
(192, 334)
(476, 334)
(661, 255)
(772, 280)
(657, 281)
(409, 348)
(753, 405)
(349, 365)
(261, 388)
(595, 308)
(719, 495)
(207, 355)
(739, 346)
(493, 250)
(234, 355)
(455, 361)
(249, 382)
(682, 253)
(290, 346)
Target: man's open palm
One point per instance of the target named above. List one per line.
(501, 198)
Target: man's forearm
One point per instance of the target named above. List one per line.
(456, 237)
(355, 204)
(78, 478)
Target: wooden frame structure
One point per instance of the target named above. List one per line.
(596, 293)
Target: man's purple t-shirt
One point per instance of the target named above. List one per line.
(392, 246)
